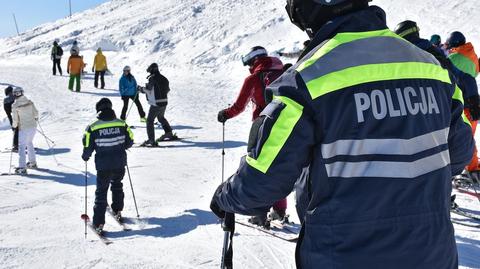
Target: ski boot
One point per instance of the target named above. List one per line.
(261, 221)
(98, 229)
(168, 137)
(15, 149)
(453, 205)
(278, 216)
(143, 119)
(20, 171)
(32, 165)
(118, 215)
(149, 144)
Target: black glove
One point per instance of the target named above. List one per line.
(85, 157)
(222, 116)
(473, 106)
(214, 206)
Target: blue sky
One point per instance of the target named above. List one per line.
(31, 13)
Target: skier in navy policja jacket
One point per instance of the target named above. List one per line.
(380, 125)
(110, 138)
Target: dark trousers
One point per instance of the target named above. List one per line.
(56, 64)
(72, 80)
(137, 103)
(102, 79)
(15, 131)
(104, 180)
(159, 113)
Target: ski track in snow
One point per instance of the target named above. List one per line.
(40, 225)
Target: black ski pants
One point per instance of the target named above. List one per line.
(100, 74)
(159, 113)
(137, 103)
(8, 111)
(105, 179)
(56, 64)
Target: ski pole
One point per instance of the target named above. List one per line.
(133, 193)
(223, 153)
(46, 137)
(134, 99)
(50, 148)
(11, 157)
(86, 181)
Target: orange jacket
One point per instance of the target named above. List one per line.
(75, 65)
(468, 51)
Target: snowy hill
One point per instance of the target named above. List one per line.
(198, 44)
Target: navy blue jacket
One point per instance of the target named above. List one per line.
(378, 122)
(110, 138)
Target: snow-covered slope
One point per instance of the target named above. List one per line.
(197, 44)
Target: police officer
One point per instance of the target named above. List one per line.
(110, 138)
(379, 124)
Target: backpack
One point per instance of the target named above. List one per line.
(267, 77)
(59, 51)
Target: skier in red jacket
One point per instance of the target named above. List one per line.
(263, 71)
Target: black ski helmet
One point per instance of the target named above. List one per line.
(8, 90)
(455, 39)
(103, 104)
(255, 52)
(153, 68)
(436, 40)
(310, 15)
(407, 29)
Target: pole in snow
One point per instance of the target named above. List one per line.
(16, 25)
(70, 6)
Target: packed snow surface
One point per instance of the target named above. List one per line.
(198, 44)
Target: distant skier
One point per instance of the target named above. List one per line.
(75, 47)
(7, 106)
(464, 57)
(110, 138)
(378, 122)
(56, 56)
(25, 117)
(157, 90)
(74, 68)
(263, 71)
(128, 90)
(99, 67)
(296, 54)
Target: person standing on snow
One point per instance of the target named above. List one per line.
(263, 71)
(75, 47)
(100, 67)
(56, 56)
(463, 56)
(157, 90)
(74, 68)
(128, 90)
(24, 117)
(379, 123)
(109, 137)
(7, 106)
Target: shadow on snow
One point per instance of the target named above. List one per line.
(468, 250)
(76, 179)
(53, 151)
(206, 145)
(184, 223)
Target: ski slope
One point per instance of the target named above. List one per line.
(198, 44)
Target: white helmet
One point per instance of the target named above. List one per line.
(127, 68)
(17, 91)
(74, 51)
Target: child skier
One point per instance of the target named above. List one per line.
(109, 137)
(24, 117)
(128, 90)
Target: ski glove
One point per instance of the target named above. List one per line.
(222, 116)
(473, 105)
(85, 157)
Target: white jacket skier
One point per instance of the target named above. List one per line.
(25, 116)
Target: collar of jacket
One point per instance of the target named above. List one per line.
(22, 101)
(369, 19)
(107, 115)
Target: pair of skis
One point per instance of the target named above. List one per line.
(282, 230)
(101, 235)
